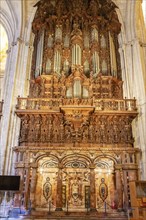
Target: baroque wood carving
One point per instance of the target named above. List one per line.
(75, 121)
(76, 127)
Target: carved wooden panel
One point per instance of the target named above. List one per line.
(76, 127)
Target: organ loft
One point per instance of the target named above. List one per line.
(75, 143)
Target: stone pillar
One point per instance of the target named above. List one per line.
(119, 189)
(112, 189)
(33, 187)
(92, 189)
(126, 199)
(27, 189)
(18, 196)
(59, 189)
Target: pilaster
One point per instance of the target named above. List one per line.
(59, 189)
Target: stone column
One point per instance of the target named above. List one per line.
(112, 188)
(92, 188)
(59, 189)
(27, 189)
(119, 189)
(126, 199)
(18, 195)
(33, 187)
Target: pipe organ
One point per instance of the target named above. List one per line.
(67, 39)
(76, 142)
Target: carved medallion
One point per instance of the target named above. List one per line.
(103, 190)
(47, 189)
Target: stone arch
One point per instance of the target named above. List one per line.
(130, 30)
(8, 24)
(46, 180)
(115, 161)
(47, 156)
(76, 157)
(5, 21)
(140, 34)
(11, 19)
(3, 58)
(139, 23)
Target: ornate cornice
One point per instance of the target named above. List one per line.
(91, 148)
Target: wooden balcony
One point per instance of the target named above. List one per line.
(26, 105)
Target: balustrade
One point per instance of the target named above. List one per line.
(115, 104)
(99, 104)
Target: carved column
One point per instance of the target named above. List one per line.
(119, 188)
(92, 188)
(59, 189)
(33, 187)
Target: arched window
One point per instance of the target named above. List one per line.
(3, 55)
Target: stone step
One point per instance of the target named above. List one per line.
(76, 216)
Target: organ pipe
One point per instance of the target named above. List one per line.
(39, 57)
(112, 56)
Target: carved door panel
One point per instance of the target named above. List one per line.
(87, 196)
